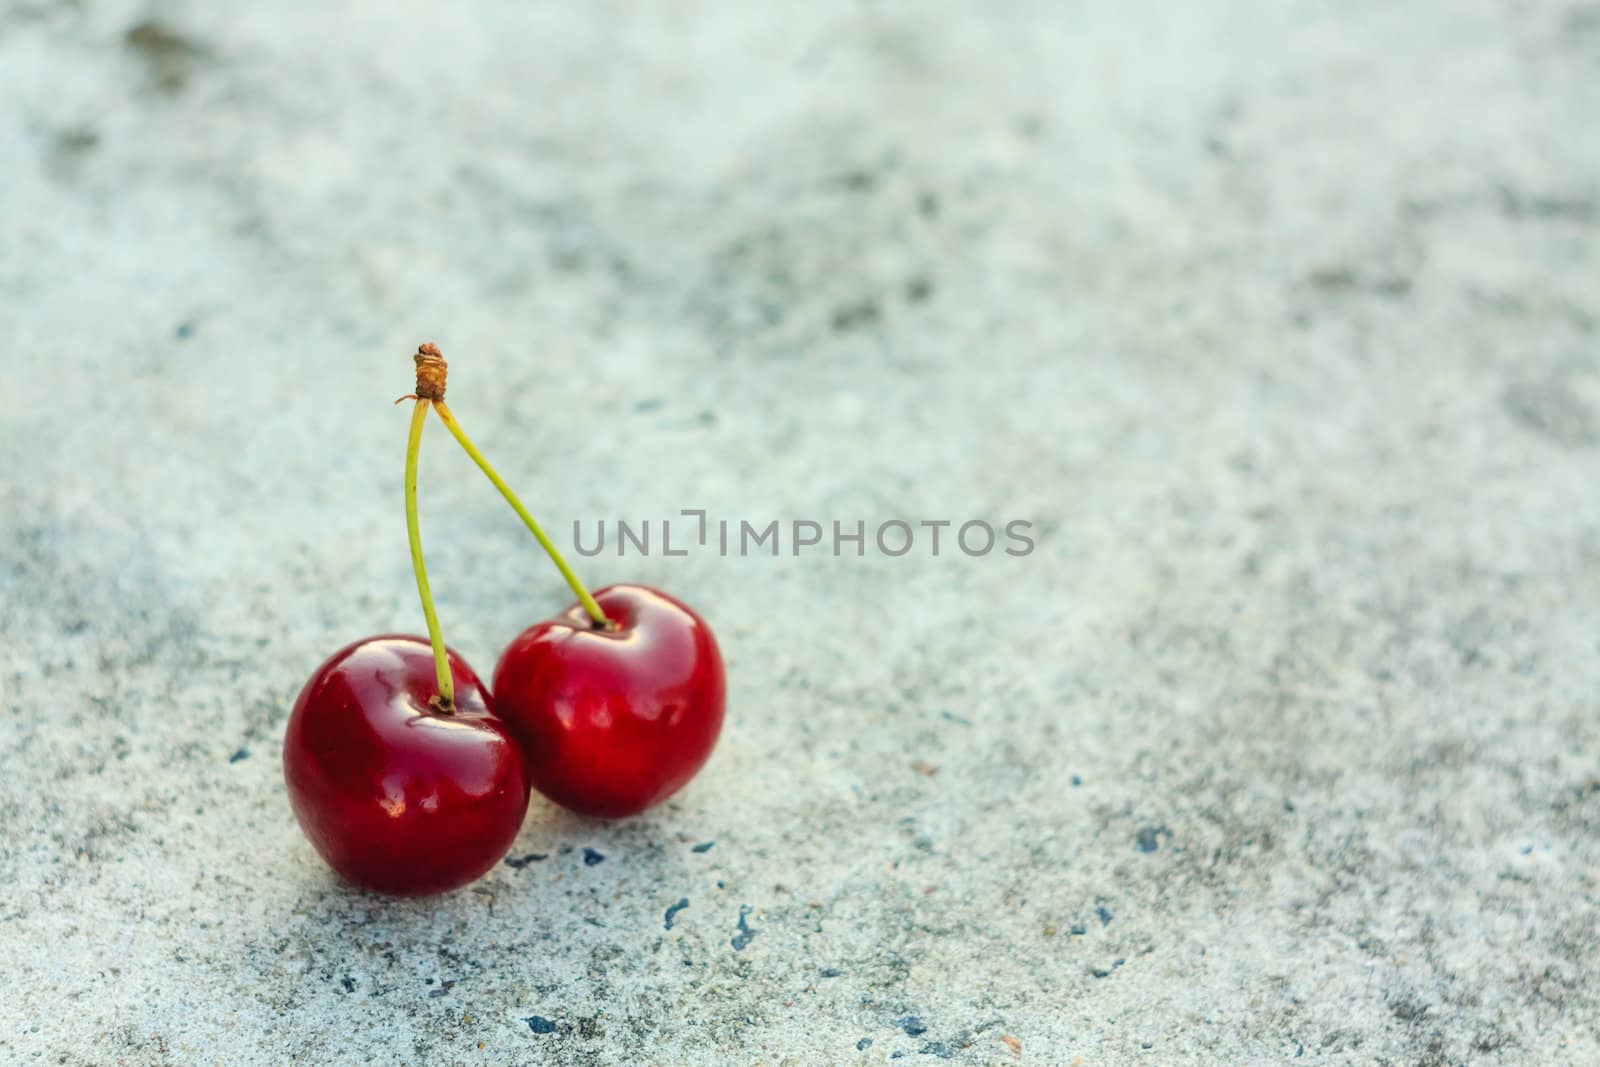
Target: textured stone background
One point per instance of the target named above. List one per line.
(1277, 318)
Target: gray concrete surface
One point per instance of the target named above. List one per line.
(1277, 319)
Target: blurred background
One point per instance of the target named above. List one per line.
(1277, 320)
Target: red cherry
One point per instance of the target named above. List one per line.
(614, 721)
(397, 796)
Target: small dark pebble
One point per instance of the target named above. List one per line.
(899, 1055)
(243, 753)
(78, 139)
(591, 857)
(348, 983)
(1102, 914)
(1077, 779)
(829, 972)
(745, 934)
(679, 906)
(533, 857)
(1148, 838)
(185, 331)
(721, 884)
(864, 1044)
(913, 1026)
(540, 1025)
(703, 847)
(1078, 929)
(857, 314)
(1106, 971)
(937, 1048)
(859, 181)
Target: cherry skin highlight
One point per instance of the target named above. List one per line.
(613, 721)
(395, 795)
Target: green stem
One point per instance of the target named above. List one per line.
(471, 449)
(441, 662)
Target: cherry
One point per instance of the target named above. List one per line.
(397, 795)
(614, 718)
(618, 702)
(398, 769)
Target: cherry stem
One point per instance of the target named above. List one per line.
(441, 662)
(588, 602)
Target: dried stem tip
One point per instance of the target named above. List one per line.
(431, 371)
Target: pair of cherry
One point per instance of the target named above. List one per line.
(410, 777)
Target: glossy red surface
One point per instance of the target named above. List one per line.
(613, 722)
(395, 796)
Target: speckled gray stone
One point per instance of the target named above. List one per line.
(1278, 320)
